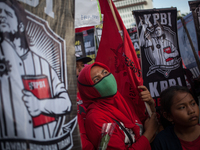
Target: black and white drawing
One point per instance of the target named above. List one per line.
(159, 49)
(159, 43)
(33, 82)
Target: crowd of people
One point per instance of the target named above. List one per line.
(99, 102)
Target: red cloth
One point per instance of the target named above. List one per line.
(83, 29)
(120, 56)
(101, 111)
(194, 145)
(81, 113)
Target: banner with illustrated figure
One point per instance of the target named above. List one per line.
(36, 66)
(161, 60)
(195, 8)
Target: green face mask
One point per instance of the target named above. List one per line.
(107, 86)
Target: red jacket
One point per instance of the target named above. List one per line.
(104, 110)
(81, 113)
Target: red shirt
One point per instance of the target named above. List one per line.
(81, 113)
(194, 145)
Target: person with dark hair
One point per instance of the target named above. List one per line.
(104, 104)
(21, 108)
(81, 61)
(181, 112)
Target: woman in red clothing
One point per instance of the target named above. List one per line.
(104, 104)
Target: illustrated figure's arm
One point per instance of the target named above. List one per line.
(145, 38)
(60, 104)
(174, 52)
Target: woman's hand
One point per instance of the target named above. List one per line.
(151, 127)
(146, 97)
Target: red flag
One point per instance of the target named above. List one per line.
(83, 29)
(119, 55)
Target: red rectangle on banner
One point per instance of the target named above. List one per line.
(168, 50)
(39, 86)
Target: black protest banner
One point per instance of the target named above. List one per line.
(134, 38)
(195, 8)
(37, 78)
(89, 43)
(79, 45)
(160, 56)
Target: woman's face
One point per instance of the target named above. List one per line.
(184, 110)
(97, 73)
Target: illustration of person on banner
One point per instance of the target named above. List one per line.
(33, 98)
(158, 44)
(163, 50)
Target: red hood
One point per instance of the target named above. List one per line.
(86, 90)
(112, 107)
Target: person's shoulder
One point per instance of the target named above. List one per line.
(95, 115)
(166, 140)
(165, 134)
(96, 118)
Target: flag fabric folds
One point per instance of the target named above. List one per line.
(118, 53)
